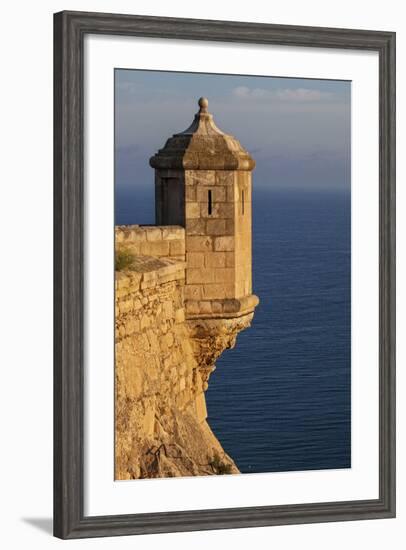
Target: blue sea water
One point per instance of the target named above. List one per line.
(281, 399)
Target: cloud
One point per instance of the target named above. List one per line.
(292, 95)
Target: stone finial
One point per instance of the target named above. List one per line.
(203, 104)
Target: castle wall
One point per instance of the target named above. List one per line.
(161, 427)
(152, 240)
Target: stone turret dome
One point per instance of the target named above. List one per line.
(203, 146)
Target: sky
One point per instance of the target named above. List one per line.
(297, 130)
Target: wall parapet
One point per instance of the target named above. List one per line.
(149, 272)
(166, 241)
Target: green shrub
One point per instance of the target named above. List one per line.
(219, 467)
(123, 260)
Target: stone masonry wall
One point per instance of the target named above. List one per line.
(207, 255)
(218, 243)
(147, 240)
(210, 245)
(161, 428)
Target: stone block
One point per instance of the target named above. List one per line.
(157, 248)
(230, 259)
(192, 307)
(177, 248)
(195, 259)
(224, 275)
(149, 276)
(153, 234)
(218, 291)
(136, 235)
(198, 244)
(167, 269)
(129, 234)
(200, 275)
(217, 306)
(224, 244)
(196, 226)
(216, 227)
(205, 306)
(225, 177)
(193, 292)
(191, 193)
(200, 177)
(178, 258)
(230, 227)
(231, 306)
(215, 259)
(192, 210)
(172, 232)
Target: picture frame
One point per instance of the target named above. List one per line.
(70, 28)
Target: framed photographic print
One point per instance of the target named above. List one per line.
(224, 274)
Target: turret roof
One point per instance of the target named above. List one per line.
(203, 146)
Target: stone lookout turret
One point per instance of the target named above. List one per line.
(203, 183)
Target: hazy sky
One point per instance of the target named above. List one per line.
(297, 130)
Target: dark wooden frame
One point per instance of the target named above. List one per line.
(69, 31)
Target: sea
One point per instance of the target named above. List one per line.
(281, 399)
